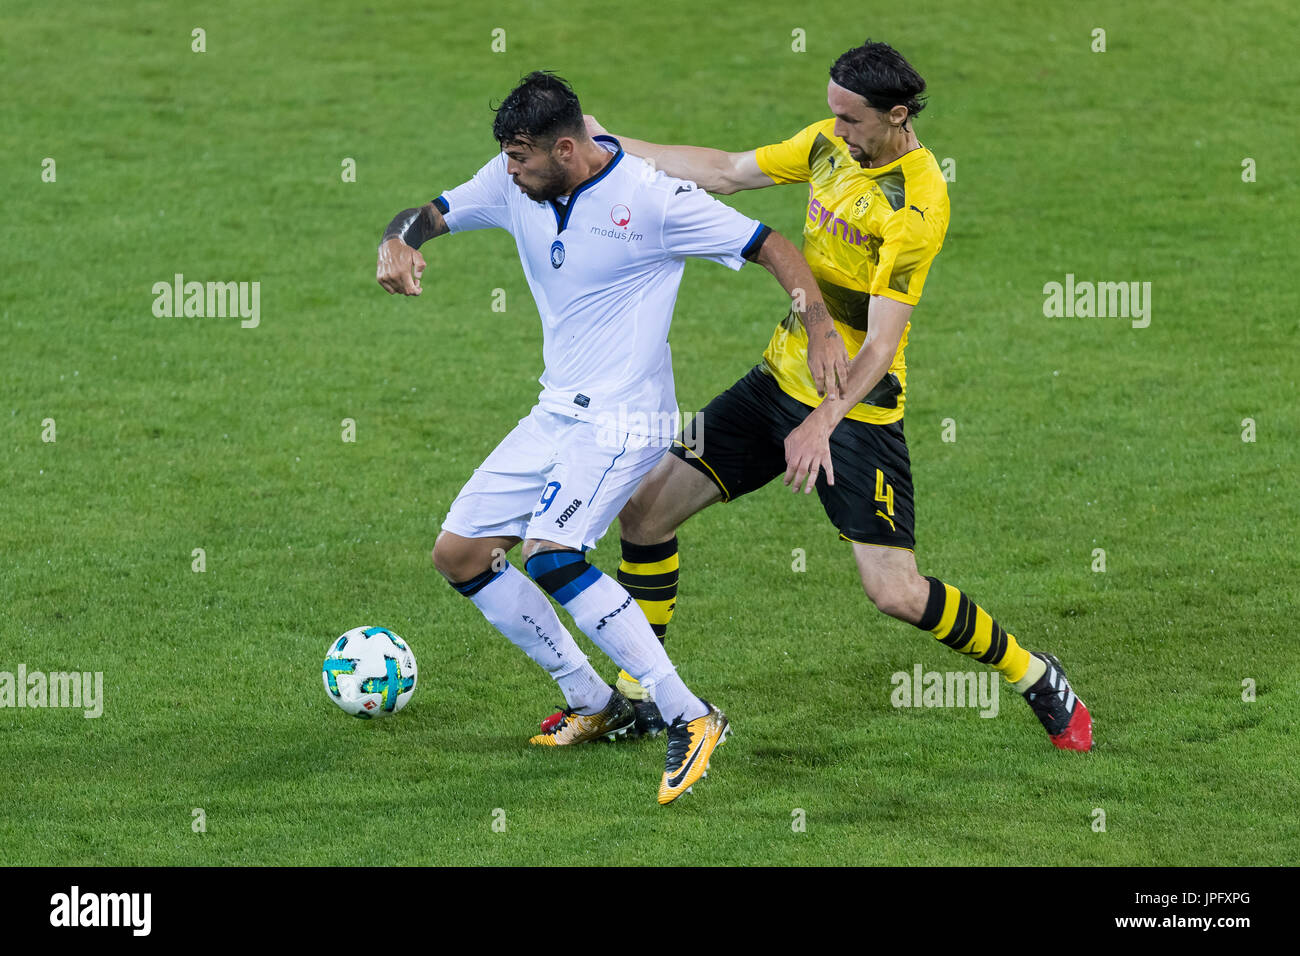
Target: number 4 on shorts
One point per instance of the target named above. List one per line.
(885, 493)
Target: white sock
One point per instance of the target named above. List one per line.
(1035, 672)
(608, 615)
(519, 609)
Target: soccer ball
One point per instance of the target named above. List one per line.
(369, 672)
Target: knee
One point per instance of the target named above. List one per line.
(454, 557)
(887, 600)
(632, 521)
(902, 598)
(637, 524)
(561, 572)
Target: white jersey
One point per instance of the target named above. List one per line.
(604, 268)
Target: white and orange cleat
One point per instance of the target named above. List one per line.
(690, 745)
(567, 727)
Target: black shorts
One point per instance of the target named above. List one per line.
(739, 443)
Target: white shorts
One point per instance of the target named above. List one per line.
(553, 478)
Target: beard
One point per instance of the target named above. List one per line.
(552, 185)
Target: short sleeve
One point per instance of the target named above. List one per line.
(909, 246)
(787, 161)
(481, 203)
(698, 226)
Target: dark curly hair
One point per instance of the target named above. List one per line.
(881, 76)
(542, 108)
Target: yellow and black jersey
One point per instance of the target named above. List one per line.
(868, 232)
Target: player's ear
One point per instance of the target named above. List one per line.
(898, 116)
(564, 148)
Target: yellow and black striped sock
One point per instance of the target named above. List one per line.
(967, 628)
(649, 572)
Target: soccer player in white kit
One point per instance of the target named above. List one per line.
(603, 238)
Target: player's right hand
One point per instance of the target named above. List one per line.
(593, 127)
(400, 268)
(828, 361)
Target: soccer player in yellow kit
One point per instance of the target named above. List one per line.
(876, 217)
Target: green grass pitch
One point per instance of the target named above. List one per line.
(1073, 434)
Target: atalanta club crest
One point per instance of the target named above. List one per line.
(620, 215)
(557, 254)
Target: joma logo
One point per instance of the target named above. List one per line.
(568, 512)
(614, 613)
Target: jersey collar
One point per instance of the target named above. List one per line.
(564, 210)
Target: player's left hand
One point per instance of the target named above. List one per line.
(400, 268)
(807, 451)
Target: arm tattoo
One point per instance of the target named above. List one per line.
(815, 316)
(413, 226)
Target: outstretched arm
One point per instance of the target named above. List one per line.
(828, 360)
(400, 263)
(716, 170)
(807, 448)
